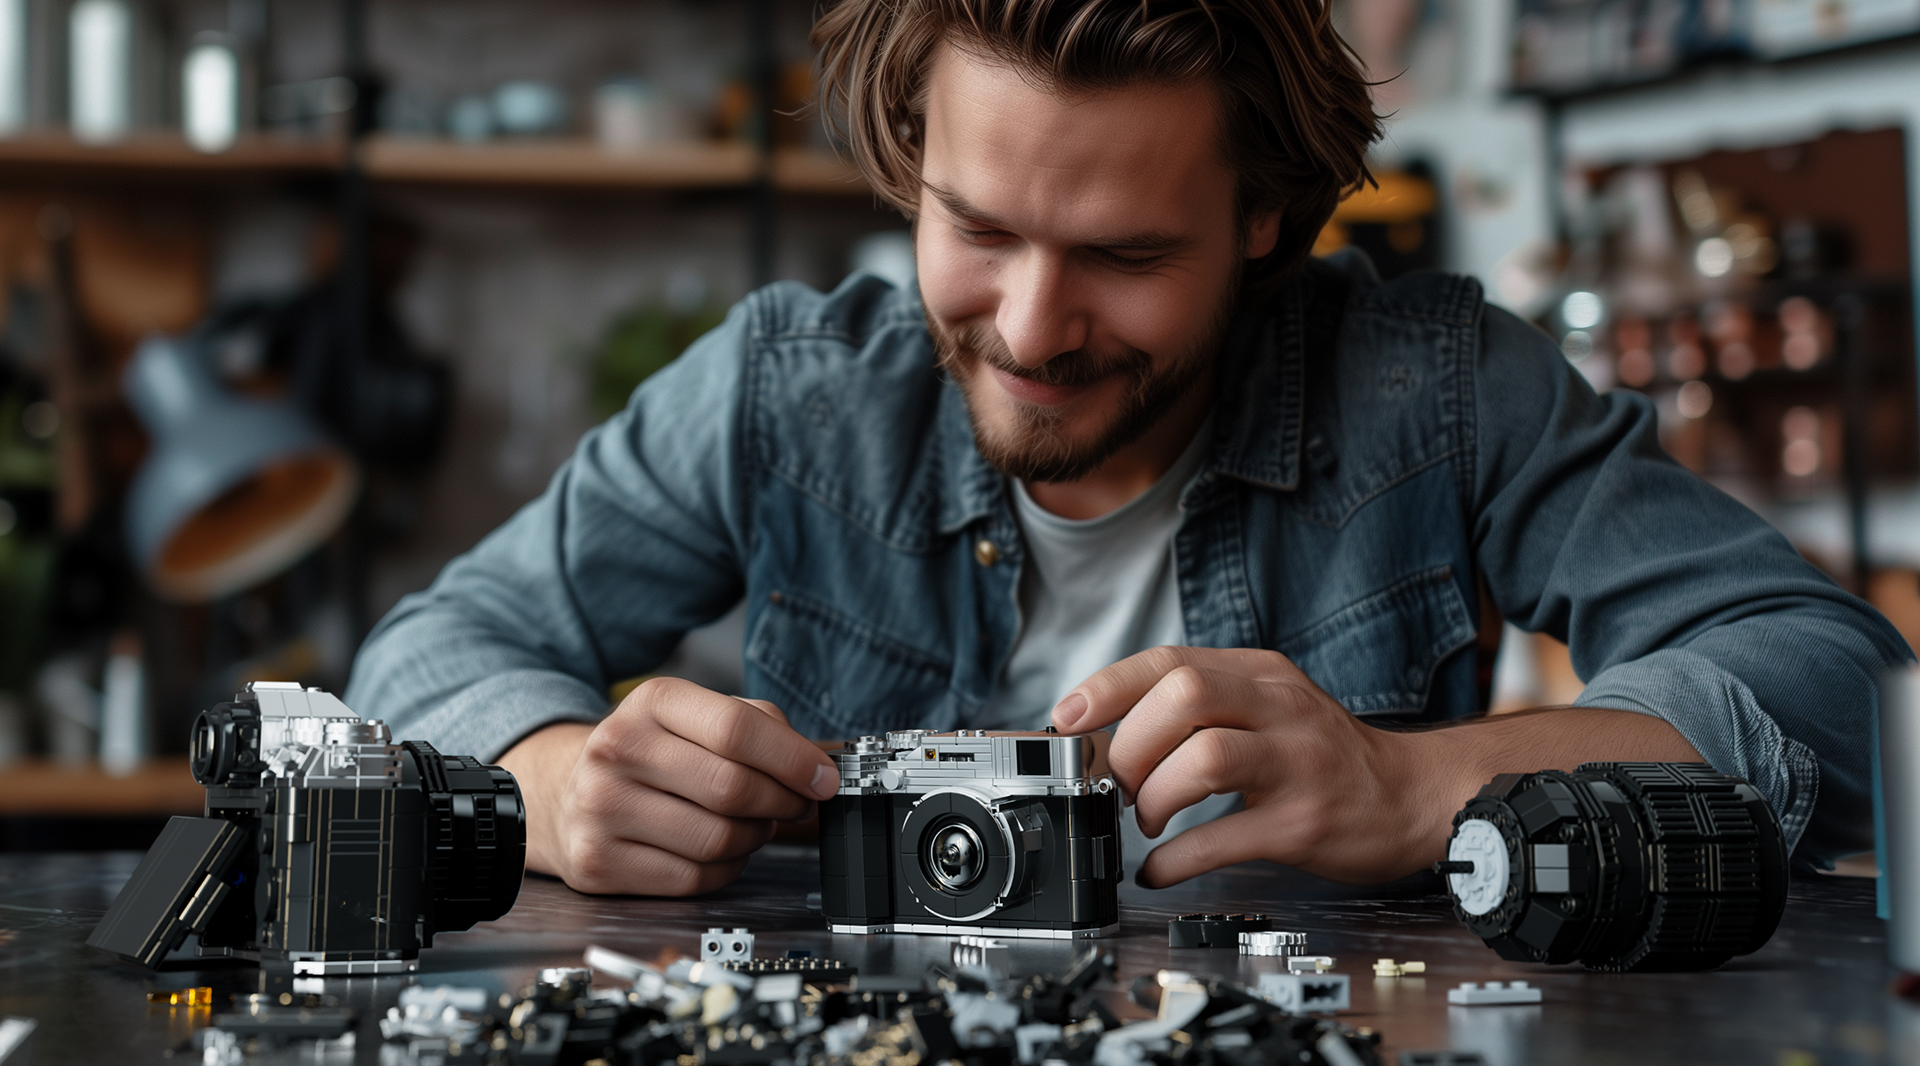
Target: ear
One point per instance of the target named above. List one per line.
(1263, 232)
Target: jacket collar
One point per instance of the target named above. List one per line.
(970, 488)
(1258, 411)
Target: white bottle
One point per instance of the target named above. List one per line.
(16, 30)
(210, 93)
(123, 708)
(100, 35)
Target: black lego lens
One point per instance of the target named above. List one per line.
(955, 856)
(1619, 866)
(475, 841)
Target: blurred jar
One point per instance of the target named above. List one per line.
(529, 108)
(100, 35)
(470, 119)
(210, 89)
(16, 30)
(630, 115)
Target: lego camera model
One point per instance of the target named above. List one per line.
(1619, 866)
(324, 845)
(1017, 833)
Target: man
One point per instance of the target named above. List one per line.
(1126, 457)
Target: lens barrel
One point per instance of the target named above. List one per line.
(1619, 866)
(475, 840)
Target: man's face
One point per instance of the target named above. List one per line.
(1078, 257)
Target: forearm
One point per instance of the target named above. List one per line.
(1448, 765)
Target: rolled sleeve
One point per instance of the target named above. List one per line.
(637, 539)
(1720, 716)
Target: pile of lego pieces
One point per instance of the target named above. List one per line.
(708, 1013)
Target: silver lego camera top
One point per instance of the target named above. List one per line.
(1013, 763)
(309, 739)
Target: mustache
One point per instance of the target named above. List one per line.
(1078, 367)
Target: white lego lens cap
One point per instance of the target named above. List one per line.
(1479, 842)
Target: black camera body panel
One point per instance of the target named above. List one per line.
(353, 851)
(972, 831)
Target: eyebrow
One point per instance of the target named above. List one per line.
(1142, 241)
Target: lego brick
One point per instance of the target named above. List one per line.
(1493, 993)
(1214, 930)
(1307, 993)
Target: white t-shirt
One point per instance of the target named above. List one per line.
(1092, 593)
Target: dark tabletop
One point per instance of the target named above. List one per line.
(1818, 993)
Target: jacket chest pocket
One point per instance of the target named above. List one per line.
(1378, 654)
(837, 677)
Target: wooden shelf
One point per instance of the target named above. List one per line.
(580, 164)
(542, 164)
(585, 165)
(164, 155)
(158, 787)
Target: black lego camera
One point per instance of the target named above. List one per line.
(324, 846)
(1016, 834)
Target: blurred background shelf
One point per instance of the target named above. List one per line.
(584, 164)
(163, 786)
(161, 155)
(529, 164)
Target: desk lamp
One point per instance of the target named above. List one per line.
(235, 489)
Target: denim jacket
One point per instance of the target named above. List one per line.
(1383, 456)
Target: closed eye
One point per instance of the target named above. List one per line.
(1125, 261)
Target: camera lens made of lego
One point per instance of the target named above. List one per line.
(325, 845)
(1013, 833)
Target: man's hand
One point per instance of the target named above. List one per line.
(667, 795)
(1324, 791)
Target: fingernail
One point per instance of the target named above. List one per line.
(1069, 710)
(826, 782)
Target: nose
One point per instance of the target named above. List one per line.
(1039, 315)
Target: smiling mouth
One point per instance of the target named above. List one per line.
(1041, 393)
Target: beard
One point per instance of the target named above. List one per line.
(1038, 446)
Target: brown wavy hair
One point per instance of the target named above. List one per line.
(1297, 113)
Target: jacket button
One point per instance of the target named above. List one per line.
(986, 552)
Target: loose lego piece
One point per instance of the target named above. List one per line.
(720, 945)
(282, 1024)
(1300, 993)
(435, 1014)
(1309, 963)
(185, 997)
(219, 1048)
(1389, 968)
(806, 967)
(13, 1035)
(1492, 994)
(983, 955)
(625, 967)
(1214, 930)
(1272, 943)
